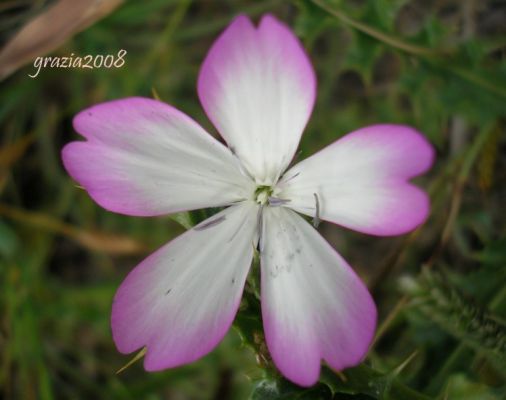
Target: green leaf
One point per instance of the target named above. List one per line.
(435, 297)
(183, 218)
(461, 388)
(8, 239)
(366, 380)
(280, 389)
(361, 56)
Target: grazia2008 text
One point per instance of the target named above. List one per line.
(88, 61)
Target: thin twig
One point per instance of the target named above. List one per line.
(381, 36)
(93, 240)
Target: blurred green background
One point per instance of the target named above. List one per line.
(438, 65)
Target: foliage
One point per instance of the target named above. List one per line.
(441, 290)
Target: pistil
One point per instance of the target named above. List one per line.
(262, 194)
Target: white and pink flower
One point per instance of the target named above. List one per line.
(142, 157)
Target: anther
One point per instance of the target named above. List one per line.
(316, 219)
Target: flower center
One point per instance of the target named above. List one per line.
(262, 194)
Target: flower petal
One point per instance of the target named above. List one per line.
(258, 88)
(313, 305)
(181, 300)
(361, 181)
(144, 157)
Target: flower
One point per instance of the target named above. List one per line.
(145, 158)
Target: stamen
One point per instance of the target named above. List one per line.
(293, 176)
(209, 224)
(260, 224)
(275, 202)
(316, 219)
(259, 218)
(241, 167)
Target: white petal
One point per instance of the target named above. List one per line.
(361, 181)
(313, 305)
(182, 299)
(258, 87)
(143, 157)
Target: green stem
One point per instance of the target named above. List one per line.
(381, 36)
(467, 165)
(455, 358)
